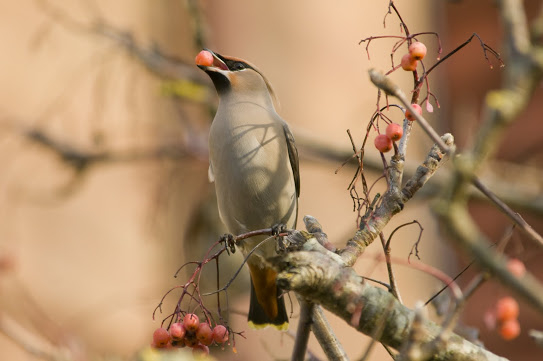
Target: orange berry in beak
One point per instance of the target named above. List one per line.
(204, 58)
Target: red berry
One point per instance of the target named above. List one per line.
(161, 338)
(177, 331)
(191, 322)
(204, 58)
(220, 334)
(408, 63)
(516, 267)
(409, 115)
(204, 334)
(394, 131)
(200, 350)
(507, 309)
(383, 143)
(417, 50)
(510, 329)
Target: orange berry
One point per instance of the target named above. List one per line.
(507, 309)
(177, 331)
(408, 63)
(161, 338)
(516, 267)
(510, 329)
(417, 50)
(191, 322)
(204, 58)
(220, 334)
(382, 143)
(394, 131)
(204, 334)
(409, 115)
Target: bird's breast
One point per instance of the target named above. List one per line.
(253, 177)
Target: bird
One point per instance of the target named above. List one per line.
(255, 168)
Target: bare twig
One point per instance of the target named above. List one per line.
(154, 60)
(391, 278)
(304, 328)
(509, 212)
(393, 202)
(326, 338)
(390, 88)
(467, 168)
(463, 228)
(516, 184)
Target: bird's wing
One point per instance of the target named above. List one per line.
(293, 157)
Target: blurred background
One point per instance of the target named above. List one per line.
(103, 145)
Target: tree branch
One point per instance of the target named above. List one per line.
(323, 278)
(304, 329)
(394, 200)
(467, 166)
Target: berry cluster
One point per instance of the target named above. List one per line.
(190, 333)
(417, 51)
(506, 311)
(394, 132)
(504, 315)
(383, 142)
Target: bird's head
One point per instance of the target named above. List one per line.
(233, 75)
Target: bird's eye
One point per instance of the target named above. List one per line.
(238, 66)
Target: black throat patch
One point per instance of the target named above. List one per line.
(221, 82)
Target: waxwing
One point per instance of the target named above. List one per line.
(254, 164)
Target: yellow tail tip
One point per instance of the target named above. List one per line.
(282, 327)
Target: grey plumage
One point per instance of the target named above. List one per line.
(254, 163)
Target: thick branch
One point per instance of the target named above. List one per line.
(322, 278)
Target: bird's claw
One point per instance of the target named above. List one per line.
(277, 229)
(229, 242)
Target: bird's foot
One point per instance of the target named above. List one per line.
(229, 242)
(280, 246)
(278, 228)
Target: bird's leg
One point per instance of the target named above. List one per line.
(277, 229)
(229, 242)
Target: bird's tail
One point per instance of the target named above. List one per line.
(267, 306)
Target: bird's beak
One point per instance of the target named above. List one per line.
(218, 63)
